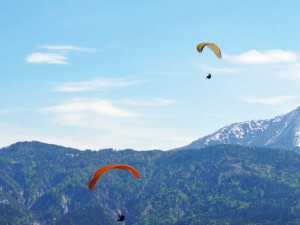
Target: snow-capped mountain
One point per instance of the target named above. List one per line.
(279, 132)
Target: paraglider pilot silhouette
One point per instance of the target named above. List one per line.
(121, 217)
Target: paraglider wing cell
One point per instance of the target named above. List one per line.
(212, 46)
(98, 173)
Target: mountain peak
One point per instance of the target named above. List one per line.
(279, 132)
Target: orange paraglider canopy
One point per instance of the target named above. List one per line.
(98, 173)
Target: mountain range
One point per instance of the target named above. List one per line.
(279, 132)
(244, 173)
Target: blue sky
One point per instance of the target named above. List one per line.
(126, 74)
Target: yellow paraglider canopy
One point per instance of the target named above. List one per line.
(212, 46)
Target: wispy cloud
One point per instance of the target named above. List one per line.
(98, 106)
(153, 103)
(55, 54)
(292, 71)
(67, 48)
(213, 114)
(47, 58)
(95, 84)
(263, 57)
(268, 101)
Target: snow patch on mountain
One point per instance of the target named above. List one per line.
(280, 132)
(297, 135)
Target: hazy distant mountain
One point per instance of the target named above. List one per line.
(279, 132)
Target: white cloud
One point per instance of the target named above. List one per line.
(154, 103)
(58, 57)
(293, 71)
(213, 114)
(263, 57)
(47, 58)
(268, 101)
(98, 106)
(124, 129)
(67, 48)
(96, 84)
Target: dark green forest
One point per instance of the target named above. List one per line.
(225, 184)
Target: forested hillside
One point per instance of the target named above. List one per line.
(224, 184)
